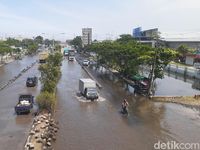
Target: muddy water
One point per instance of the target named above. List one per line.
(13, 128)
(12, 69)
(99, 125)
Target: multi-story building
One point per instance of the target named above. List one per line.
(86, 36)
(146, 36)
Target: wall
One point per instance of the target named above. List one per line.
(189, 60)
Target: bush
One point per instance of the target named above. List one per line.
(50, 74)
(46, 101)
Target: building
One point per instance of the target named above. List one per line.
(175, 43)
(86, 36)
(146, 37)
(193, 59)
(150, 36)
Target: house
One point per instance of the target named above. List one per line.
(191, 59)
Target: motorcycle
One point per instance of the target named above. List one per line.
(124, 111)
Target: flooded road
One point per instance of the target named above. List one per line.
(170, 86)
(10, 70)
(99, 125)
(13, 128)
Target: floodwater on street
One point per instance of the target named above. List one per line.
(99, 125)
(170, 86)
(14, 128)
(12, 69)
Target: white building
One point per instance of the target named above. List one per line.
(86, 36)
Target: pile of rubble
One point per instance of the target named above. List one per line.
(43, 133)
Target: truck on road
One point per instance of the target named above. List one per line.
(25, 104)
(87, 88)
(71, 55)
(66, 51)
(43, 56)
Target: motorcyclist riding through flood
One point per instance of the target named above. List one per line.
(125, 106)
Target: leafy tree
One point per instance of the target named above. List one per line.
(48, 42)
(50, 72)
(55, 59)
(58, 47)
(38, 40)
(182, 51)
(5, 48)
(77, 43)
(30, 45)
(126, 56)
(13, 42)
(125, 38)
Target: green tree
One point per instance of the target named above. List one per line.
(77, 43)
(58, 47)
(125, 38)
(50, 72)
(182, 51)
(38, 40)
(126, 56)
(5, 48)
(30, 45)
(48, 42)
(13, 42)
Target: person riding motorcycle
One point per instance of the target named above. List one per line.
(125, 104)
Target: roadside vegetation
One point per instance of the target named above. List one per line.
(50, 75)
(127, 56)
(77, 43)
(13, 46)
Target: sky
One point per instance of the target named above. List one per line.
(64, 19)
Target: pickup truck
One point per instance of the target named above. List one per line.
(31, 81)
(25, 104)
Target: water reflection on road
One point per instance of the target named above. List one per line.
(99, 125)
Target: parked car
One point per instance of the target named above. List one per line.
(86, 62)
(141, 88)
(31, 81)
(25, 104)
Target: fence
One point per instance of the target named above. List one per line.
(185, 71)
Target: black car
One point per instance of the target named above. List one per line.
(31, 81)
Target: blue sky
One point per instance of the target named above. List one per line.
(108, 18)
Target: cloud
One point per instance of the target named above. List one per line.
(23, 21)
